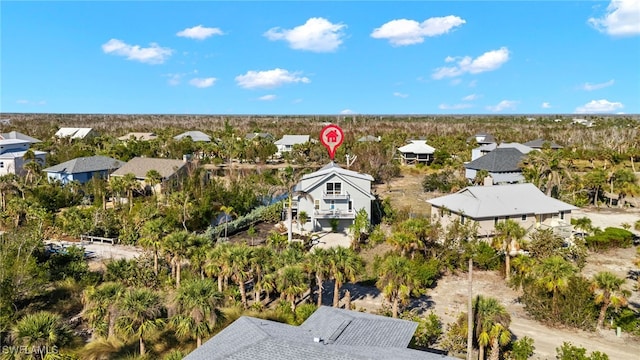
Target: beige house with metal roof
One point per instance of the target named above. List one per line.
(488, 205)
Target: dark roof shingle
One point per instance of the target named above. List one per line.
(498, 160)
(85, 165)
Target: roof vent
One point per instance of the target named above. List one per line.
(317, 340)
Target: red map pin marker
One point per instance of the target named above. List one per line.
(331, 137)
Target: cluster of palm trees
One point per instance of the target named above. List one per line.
(215, 274)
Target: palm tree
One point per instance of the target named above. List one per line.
(584, 224)
(176, 245)
(523, 266)
(41, 331)
(101, 307)
(218, 264)
(130, 184)
(344, 265)
(487, 312)
(239, 267)
(397, 280)
(608, 288)
(546, 169)
(7, 184)
(554, 274)
(291, 282)
(405, 242)
(141, 311)
(507, 232)
(153, 178)
(117, 187)
(227, 214)
(152, 233)
(196, 304)
(261, 263)
(498, 336)
(318, 262)
(198, 247)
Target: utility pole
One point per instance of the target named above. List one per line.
(470, 312)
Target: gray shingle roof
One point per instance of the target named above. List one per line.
(85, 165)
(501, 200)
(261, 135)
(365, 336)
(539, 143)
(139, 167)
(498, 160)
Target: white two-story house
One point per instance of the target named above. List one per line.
(337, 194)
(12, 153)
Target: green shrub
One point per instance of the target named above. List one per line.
(570, 352)
(609, 238)
(485, 257)
(521, 349)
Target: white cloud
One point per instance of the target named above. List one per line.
(456, 82)
(621, 19)
(599, 106)
(449, 59)
(269, 79)
(454, 106)
(545, 105)
(199, 32)
(317, 35)
(347, 112)
(402, 32)
(202, 82)
(473, 83)
(489, 61)
(503, 105)
(31, 103)
(591, 87)
(154, 54)
(400, 95)
(471, 97)
(269, 97)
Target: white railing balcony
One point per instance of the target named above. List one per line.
(335, 195)
(334, 213)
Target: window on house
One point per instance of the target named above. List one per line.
(561, 215)
(350, 205)
(462, 219)
(495, 221)
(1, 164)
(524, 217)
(316, 204)
(334, 188)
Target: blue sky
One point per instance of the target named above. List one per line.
(305, 57)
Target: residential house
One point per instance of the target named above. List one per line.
(75, 133)
(288, 141)
(19, 136)
(259, 136)
(539, 144)
(416, 152)
(584, 122)
(139, 136)
(169, 170)
(502, 164)
(370, 138)
(487, 148)
(482, 139)
(488, 205)
(329, 333)
(83, 169)
(12, 152)
(337, 193)
(196, 136)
